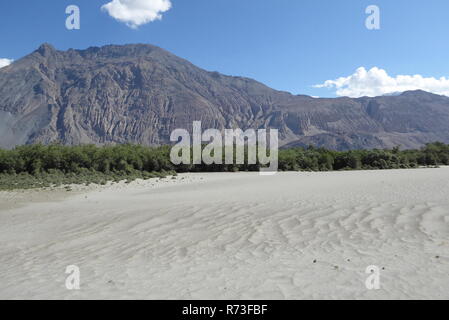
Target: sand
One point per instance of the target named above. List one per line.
(232, 236)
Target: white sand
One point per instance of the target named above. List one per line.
(233, 236)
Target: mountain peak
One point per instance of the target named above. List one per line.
(117, 51)
(417, 93)
(46, 49)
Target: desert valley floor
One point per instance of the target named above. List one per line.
(232, 236)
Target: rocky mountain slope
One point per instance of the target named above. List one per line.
(140, 93)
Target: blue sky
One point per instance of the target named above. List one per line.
(289, 45)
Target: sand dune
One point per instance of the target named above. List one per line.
(233, 236)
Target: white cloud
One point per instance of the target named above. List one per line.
(136, 12)
(377, 82)
(5, 62)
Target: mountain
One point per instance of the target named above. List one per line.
(396, 93)
(140, 93)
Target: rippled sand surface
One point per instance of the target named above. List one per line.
(234, 236)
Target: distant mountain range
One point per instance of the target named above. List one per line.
(140, 93)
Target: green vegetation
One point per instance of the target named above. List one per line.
(54, 165)
(320, 159)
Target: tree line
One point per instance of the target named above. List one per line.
(129, 161)
(321, 159)
(126, 158)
